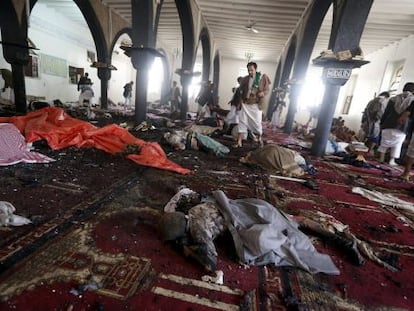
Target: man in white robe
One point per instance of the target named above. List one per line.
(253, 89)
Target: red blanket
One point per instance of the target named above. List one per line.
(61, 131)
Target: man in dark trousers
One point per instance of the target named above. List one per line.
(84, 81)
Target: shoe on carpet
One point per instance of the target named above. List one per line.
(405, 177)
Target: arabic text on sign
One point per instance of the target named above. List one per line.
(338, 73)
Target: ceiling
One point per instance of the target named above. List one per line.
(275, 20)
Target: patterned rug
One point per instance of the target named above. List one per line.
(117, 261)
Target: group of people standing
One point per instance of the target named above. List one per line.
(387, 122)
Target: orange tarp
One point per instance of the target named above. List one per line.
(60, 131)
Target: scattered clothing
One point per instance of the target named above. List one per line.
(61, 130)
(8, 218)
(264, 235)
(384, 198)
(210, 144)
(14, 149)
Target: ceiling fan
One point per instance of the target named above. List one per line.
(250, 27)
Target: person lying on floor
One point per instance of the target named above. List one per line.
(182, 140)
(277, 160)
(331, 230)
(261, 234)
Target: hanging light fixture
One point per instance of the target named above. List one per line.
(249, 56)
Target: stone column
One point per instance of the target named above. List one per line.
(290, 116)
(335, 74)
(19, 87)
(142, 52)
(17, 55)
(142, 59)
(104, 74)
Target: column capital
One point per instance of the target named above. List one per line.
(335, 71)
(104, 69)
(16, 53)
(141, 57)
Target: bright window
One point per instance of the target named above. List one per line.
(155, 80)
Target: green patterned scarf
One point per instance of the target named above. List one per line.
(257, 80)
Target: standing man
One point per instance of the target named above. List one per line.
(127, 94)
(86, 91)
(371, 118)
(253, 89)
(408, 115)
(276, 121)
(84, 81)
(205, 96)
(394, 128)
(175, 97)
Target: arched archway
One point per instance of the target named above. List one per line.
(307, 33)
(205, 43)
(102, 52)
(75, 54)
(125, 71)
(187, 28)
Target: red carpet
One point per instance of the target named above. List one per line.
(104, 252)
(386, 229)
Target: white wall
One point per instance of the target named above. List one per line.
(55, 35)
